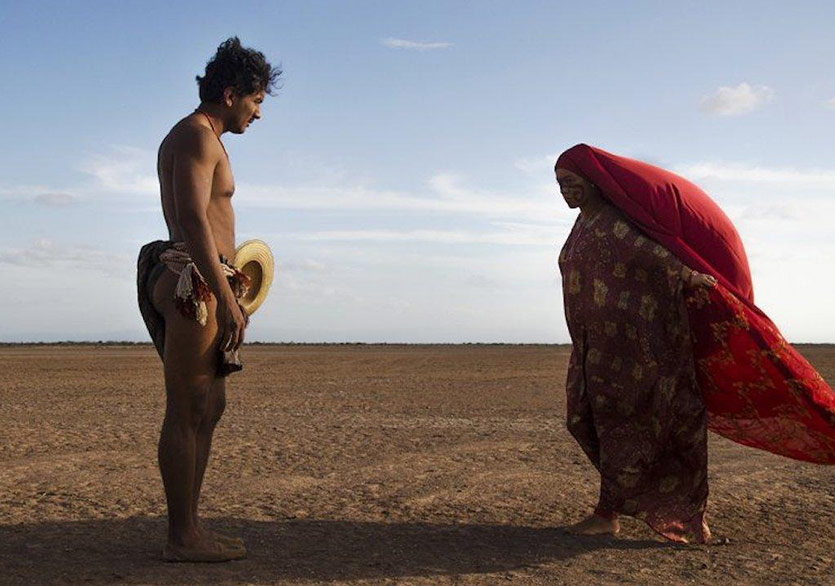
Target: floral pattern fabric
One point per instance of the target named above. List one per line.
(633, 403)
(759, 390)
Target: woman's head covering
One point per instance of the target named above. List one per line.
(671, 210)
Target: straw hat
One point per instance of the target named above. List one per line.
(254, 259)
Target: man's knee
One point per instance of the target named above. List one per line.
(216, 406)
(189, 405)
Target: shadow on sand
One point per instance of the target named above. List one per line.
(128, 550)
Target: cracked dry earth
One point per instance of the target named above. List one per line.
(367, 465)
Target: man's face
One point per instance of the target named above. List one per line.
(245, 109)
(574, 189)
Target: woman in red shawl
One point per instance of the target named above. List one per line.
(659, 305)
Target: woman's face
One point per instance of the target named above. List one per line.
(575, 190)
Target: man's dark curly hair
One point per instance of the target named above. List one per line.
(246, 70)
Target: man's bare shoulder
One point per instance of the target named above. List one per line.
(190, 137)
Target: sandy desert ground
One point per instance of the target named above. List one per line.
(367, 464)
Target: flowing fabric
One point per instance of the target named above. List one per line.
(758, 390)
(632, 399)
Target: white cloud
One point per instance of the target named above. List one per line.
(44, 254)
(38, 194)
(55, 199)
(445, 194)
(733, 101)
(305, 265)
(759, 174)
(504, 233)
(438, 236)
(830, 104)
(394, 43)
(124, 170)
(537, 166)
(768, 212)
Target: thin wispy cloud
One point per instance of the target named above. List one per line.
(44, 254)
(55, 199)
(445, 194)
(537, 166)
(512, 234)
(735, 101)
(39, 194)
(439, 236)
(759, 174)
(123, 170)
(769, 212)
(305, 265)
(394, 43)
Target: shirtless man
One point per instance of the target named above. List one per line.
(196, 185)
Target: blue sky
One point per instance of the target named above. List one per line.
(403, 173)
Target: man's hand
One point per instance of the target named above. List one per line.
(231, 322)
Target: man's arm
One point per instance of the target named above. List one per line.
(195, 160)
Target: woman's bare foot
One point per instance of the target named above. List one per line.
(705, 532)
(595, 525)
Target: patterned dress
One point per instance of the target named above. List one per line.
(633, 402)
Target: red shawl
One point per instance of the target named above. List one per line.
(759, 391)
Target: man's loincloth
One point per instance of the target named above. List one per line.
(190, 297)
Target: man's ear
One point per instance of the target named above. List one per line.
(229, 94)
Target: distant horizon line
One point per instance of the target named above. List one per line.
(260, 343)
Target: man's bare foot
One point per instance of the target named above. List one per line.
(203, 550)
(221, 537)
(227, 539)
(595, 525)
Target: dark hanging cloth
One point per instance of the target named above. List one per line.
(149, 268)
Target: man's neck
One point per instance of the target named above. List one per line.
(212, 111)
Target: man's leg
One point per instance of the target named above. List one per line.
(216, 407)
(189, 362)
(216, 403)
